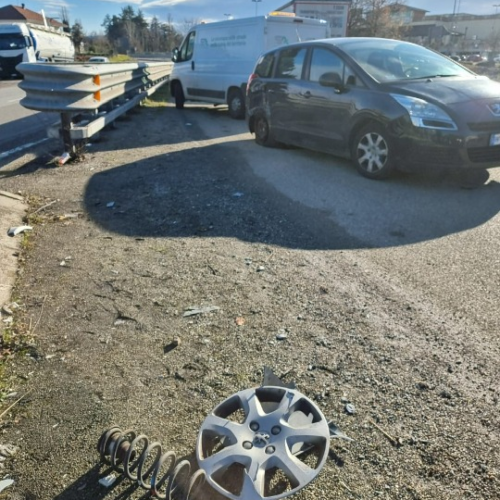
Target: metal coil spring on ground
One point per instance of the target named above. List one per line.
(130, 454)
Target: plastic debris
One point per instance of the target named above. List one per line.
(193, 310)
(349, 408)
(14, 231)
(335, 432)
(5, 483)
(282, 335)
(111, 204)
(63, 158)
(108, 481)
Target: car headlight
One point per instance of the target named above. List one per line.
(424, 114)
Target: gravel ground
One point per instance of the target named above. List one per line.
(149, 225)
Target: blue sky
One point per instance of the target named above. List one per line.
(92, 12)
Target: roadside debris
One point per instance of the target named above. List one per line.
(282, 334)
(63, 159)
(350, 409)
(108, 481)
(14, 231)
(394, 441)
(5, 483)
(44, 207)
(170, 347)
(239, 321)
(193, 310)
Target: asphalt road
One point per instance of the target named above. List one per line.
(387, 291)
(425, 230)
(19, 126)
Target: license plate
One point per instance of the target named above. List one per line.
(495, 140)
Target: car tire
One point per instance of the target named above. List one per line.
(263, 133)
(372, 152)
(179, 96)
(236, 104)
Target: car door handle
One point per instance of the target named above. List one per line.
(305, 94)
(192, 65)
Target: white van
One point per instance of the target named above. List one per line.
(215, 59)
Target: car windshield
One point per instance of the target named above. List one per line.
(392, 60)
(11, 42)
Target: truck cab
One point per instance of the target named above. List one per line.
(16, 46)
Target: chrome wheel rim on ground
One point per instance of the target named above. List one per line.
(263, 443)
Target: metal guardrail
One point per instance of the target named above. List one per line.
(104, 90)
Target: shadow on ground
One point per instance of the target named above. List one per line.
(211, 191)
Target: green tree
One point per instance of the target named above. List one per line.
(130, 31)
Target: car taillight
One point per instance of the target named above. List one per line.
(252, 77)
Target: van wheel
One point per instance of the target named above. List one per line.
(236, 104)
(179, 96)
(372, 152)
(263, 133)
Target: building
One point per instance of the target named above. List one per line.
(336, 12)
(19, 14)
(404, 14)
(458, 33)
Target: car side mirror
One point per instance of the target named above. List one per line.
(331, 79)
(175, 54)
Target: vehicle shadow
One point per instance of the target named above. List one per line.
(211, 191)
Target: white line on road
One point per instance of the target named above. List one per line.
(21, 148)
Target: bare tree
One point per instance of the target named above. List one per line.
(188, 24)
(376, 18)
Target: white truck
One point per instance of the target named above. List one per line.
(215, 60)
(23, 42)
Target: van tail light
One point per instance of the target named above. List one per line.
(252, 77)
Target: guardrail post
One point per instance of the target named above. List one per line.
(66, 133)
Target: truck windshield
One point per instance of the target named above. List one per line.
(10, 41)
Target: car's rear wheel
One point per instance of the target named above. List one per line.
(179, 96)
(372, 152)
(236, 104)
(263, 133)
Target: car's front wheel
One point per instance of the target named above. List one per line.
(372, 152)
(263, 133)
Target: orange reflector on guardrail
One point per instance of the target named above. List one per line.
(97, 95)
(97, 80)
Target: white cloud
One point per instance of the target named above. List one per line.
(136, 2)
(162, 3)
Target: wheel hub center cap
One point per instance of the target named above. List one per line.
(261, 439)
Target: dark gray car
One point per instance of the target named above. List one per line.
(386, 104)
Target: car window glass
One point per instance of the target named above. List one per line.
(291, 62)
(186, 50)
(391, 60)
(324, 61)
(264, 67)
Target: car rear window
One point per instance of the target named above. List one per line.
(264, 66)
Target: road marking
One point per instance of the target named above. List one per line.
(21, 148)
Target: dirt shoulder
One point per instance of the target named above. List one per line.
(150, 224)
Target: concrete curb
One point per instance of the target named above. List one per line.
(12, 211)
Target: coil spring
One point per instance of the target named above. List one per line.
(130, 453)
